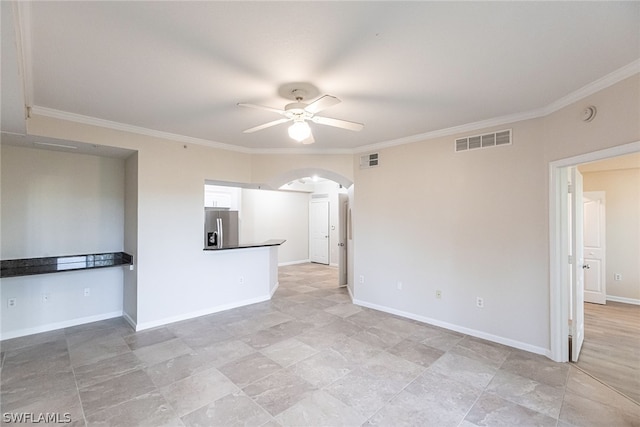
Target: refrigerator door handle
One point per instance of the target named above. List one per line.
(220, 233)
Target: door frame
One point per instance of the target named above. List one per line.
(558, 246)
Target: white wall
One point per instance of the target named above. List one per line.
(56, 203)
(269, 214)
(622, 206)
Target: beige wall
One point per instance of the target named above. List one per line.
(53, 204)
(472, 224)
(50, 199)
(130, 299)
(266, 168)
(469, 224)
(617, 122)
(476, 224)
(622, 188)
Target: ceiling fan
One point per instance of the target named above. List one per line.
(300, 113)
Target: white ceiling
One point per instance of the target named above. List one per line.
(404, 69)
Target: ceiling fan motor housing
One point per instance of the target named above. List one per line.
(296, 110)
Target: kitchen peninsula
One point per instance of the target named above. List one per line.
(272, 242)
(251, 269)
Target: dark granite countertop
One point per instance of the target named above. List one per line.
(272, 242)
(57, 264)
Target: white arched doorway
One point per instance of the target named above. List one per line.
(336, 204)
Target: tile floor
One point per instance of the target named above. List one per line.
(308, 357)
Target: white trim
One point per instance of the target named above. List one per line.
(59, 325)
(469, 127)
(587, 90)
(467, 331)
(129, 320)
(93, 121)
(302, 261)
(558, 294)
(199, 313)
(593, 87)
(275, 288)
(350, 294)
(624, 300)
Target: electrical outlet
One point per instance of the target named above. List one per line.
(11, 302)
(241, 280)
(45, 298)
(361, 278)
(87, 292)
(479, 302)
(438, 294)
(617, 276)
(399, 286)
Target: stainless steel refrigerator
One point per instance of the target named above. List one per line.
(220, 228)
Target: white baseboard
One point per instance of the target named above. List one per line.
(623, 299)
(129, 320)
(59, 325)
(302, 261)
(467, 331)
(186, 316)
(275, 288)
(351, 295)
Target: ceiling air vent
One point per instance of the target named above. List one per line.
(369, 161)
(502, 137)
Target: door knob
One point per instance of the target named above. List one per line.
(586, 266)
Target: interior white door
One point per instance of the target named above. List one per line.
(577, 263)
(595, 276)
(343, 208)
(319, 232)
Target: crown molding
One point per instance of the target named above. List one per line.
(587, 90)
(469, 127)
(93, 121)
(595, 86)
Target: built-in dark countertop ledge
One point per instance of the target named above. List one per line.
(57, 264)
(272, 242)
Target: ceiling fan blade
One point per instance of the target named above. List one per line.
(322, 103)
(344, 124)
(266, 125)
(309, 140)
(260, 107)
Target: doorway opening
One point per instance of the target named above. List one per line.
(328, 205)
(567, 308)
(340, 192)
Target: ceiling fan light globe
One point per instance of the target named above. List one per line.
(299, 131)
